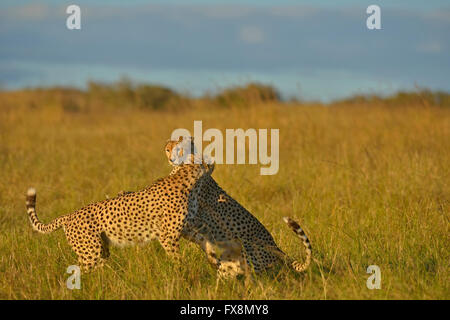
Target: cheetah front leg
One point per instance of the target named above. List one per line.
(196, 234)
(171, 245)
(232, 262)
(171, 226)
(207, 247)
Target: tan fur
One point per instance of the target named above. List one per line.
(222, 222)
(162, 211)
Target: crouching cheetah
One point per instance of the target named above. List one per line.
(161, 211)
(222, 222)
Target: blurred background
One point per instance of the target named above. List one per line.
(317, 50)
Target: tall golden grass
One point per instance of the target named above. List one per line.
(368, 182)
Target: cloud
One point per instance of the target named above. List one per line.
(32, 11)
(294, 11)
(222, 39)
(430, 47)
(224, 11)
(442, 15)
(251, 34)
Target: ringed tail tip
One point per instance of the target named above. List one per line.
(291, 223)
(300, 267)
(31, 192)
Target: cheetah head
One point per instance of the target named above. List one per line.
(179, 151)
(184, 151)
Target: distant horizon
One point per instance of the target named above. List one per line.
(188, 94)
(309, 50)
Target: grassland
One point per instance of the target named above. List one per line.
(369, 183)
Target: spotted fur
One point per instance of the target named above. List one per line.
(222, 222)
(162, 211)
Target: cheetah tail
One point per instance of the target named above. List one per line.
(36, 224)
(297, 266)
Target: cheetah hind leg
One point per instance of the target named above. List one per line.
(92, 250)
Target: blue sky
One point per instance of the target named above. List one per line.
(386, 3)
(316, 50)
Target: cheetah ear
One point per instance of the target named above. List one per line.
(170, 140)
(189, 138)
(186, 139)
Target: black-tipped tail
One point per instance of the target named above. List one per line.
(35, 223)
(298, 266)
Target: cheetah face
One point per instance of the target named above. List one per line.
(184, 151)
(178, 152)
(168, 149)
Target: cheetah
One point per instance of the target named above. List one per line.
(223, 222)
(162, 211)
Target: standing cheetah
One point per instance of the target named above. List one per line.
(222, 221)
(161, 211)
